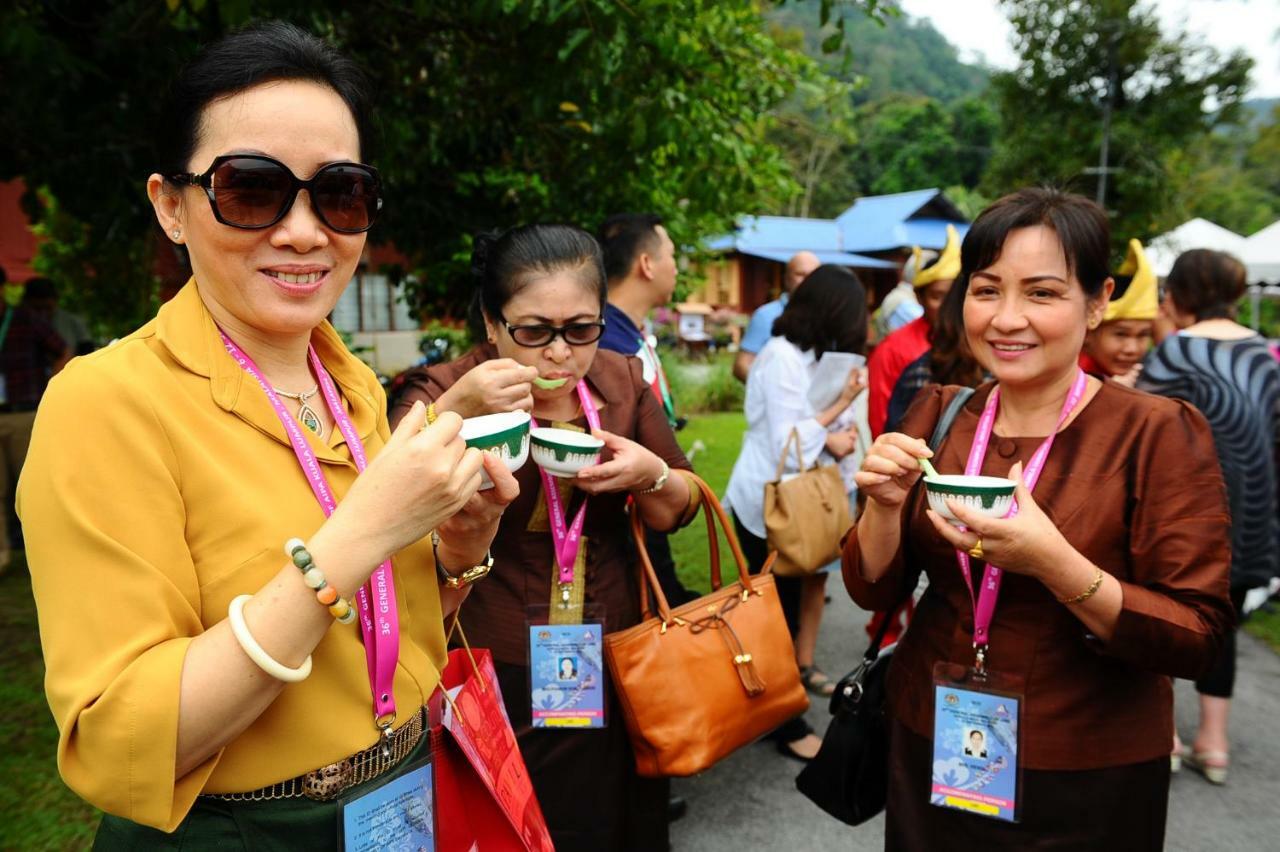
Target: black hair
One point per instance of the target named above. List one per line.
(1207, 284)
(622, 237)
(1080, 224)
(263, 52)
(39, 288)
(826, 313)
(504, 264)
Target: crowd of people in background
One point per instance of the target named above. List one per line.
(206, 686)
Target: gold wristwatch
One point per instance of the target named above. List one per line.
(467, 577)
(661, 481)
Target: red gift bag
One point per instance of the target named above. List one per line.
(484, 796)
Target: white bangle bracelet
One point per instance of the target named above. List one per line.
(263, 660)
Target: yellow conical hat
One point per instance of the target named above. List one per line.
(947, 267)
(1139, 301)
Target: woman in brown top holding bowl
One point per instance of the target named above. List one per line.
(541, 293)
(1111, 578)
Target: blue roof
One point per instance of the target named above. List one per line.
(884, 222)
(875, 223)
(786, 232)
(840, 258)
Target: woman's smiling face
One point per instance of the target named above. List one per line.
(1026, 315)
(282, 280)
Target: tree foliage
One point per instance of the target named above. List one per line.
(1169, 93)
(493, 112)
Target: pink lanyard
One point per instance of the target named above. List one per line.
(567, 539)
(381, 641)
(984, 606)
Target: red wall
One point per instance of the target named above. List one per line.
(17, 243)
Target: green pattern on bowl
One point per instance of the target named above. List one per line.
(987, 495)
(563, 451)
(512, 439)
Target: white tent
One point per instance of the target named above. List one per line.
(1261, 253)
(1163, 250)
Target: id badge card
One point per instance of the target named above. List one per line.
(567, 671)
(400, 813)
(975, 765)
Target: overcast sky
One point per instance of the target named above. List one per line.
(978, 28)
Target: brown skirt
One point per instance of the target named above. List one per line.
(1120, 807)
(586, 781)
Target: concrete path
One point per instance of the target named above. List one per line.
(749, 802)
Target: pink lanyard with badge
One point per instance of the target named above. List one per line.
(379, 622)
(984, 605)
(567, 539)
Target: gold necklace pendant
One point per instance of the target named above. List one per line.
(307, 415)
(310, 420)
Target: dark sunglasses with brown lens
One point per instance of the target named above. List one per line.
(251, 191)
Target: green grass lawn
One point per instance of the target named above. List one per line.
(1264, 623)
(40, 812)
(721, 434)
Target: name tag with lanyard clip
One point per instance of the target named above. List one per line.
(399, 813)
(566, 637)
(975, 764)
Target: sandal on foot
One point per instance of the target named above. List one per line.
(1211, 764)
(815, 680)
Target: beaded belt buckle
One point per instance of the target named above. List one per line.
(329, 782)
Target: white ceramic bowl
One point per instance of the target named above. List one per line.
(564, 452)
(505, 435)
(987, 495)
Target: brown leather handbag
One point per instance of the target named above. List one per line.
(700, 681)
(806, 514)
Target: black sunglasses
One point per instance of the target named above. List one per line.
(250, 191)
(574, 334)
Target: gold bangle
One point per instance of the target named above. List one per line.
(431, 413)
(1087, 593)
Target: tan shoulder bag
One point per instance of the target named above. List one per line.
(805, 515)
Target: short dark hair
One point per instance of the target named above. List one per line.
(1207, 283)
(39, 288)
(263, 52)
(622, 237)
(504, 264)
(1080, 224)
(826, 313)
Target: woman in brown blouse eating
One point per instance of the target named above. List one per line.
(541, 292)
(1114, 572)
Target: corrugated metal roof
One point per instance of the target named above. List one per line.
(840, 258)
(875, 223)
(881, 222)
(787, 232)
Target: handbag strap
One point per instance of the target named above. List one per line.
(940, 431)
(792, 439)
(714, 512)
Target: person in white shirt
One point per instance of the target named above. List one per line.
(826, 313)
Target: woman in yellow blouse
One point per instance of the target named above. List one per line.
(208, 692)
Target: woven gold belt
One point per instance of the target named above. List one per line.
(329, 782)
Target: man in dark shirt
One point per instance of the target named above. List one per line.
(30, 353)
(640, 263)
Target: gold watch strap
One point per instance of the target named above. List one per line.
(467, 577)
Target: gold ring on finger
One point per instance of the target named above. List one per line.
(976, 550)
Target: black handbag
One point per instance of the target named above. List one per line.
(849, 776)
